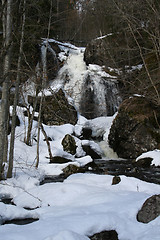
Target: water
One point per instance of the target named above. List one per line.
(95, 93)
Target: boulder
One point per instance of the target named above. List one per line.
(69, 144)
(144, 162)
(150, 209)
(136, 128)
(71, 169)
(92, 149)
(56, 109)
(105, 235)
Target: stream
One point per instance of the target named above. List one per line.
(128, 168)
(115, 168)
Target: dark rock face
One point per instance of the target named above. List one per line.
(55, 109)
(135, 129)
(69, 144)
(94, 52)
(91, 151)
(105, 235)
(53, 64)
(100, 96)
(50, 61)
(104, 51)
(86, 133)
(150, 209)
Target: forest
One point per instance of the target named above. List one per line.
(79, 119)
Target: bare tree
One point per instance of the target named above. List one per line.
(11, 153)
(142, 22)
(4, 104)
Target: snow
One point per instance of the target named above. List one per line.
(73, 75)
(155, 155)
(109, 34)
(99, 71)
(81, 205)
(84, 203)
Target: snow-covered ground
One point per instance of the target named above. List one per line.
(83, 204)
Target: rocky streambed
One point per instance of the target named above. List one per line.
(111, 167)
(129, 168)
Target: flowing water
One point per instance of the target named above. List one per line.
(95, 92)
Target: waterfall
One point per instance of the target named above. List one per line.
(100, 95)
(95, 92)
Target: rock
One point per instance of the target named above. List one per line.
(53, 64)
(135, 129)
(71, 169)
(150, 209)
(104, 51)
(91, 150)
(86, 133)
(20, 221)
(105, 235)
(93, 167)
(69, 144)
(116, 180)
(144, 162)
(60, 159)
(55, 109)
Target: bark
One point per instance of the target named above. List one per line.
(5, 88)
(39, 127)
(47, 141)
(30, 122)
(44, 77)
(16, 96)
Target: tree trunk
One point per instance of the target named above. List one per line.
(30, 121)
(16, 96)
(39, 127)
(4, 104)
(47, 141)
